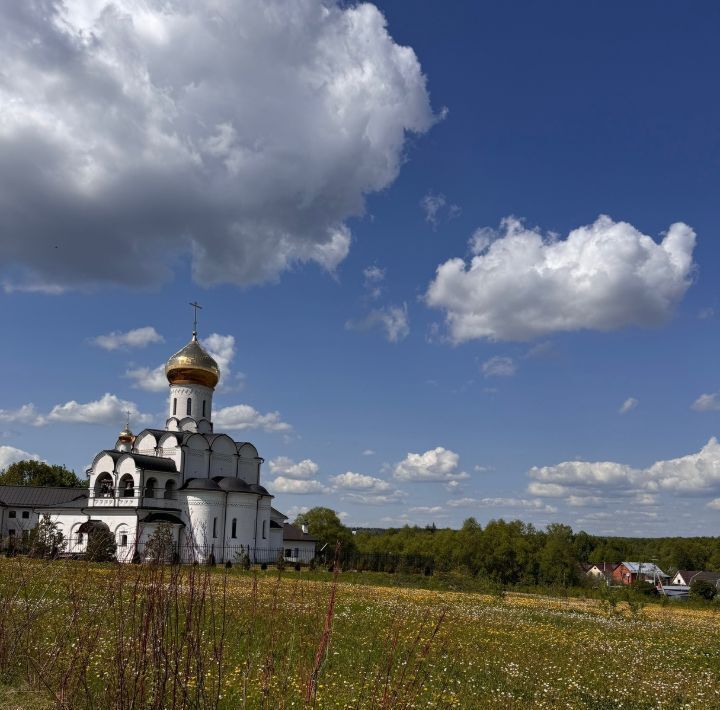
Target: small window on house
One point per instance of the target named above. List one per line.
(234, 528)
(264, 529)
(12, 514)
(123, 540)
(189, 406)
(297, 552)
(288, 552)
(214, 527)
(174, 406)
(26, 514)
(203, 408)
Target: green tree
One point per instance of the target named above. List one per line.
(557, 560)
(702, 589)
(46, 540)
(324, 524)
(38, 473)
(160, 546)
(101, 546)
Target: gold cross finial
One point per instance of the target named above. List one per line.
(195, 305)
(127, 420)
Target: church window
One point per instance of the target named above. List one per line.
(264, 529)
(203, 408)
(174, 406)
(26, 514)
(214, 527)
(170, 490)
(189, 406)
(123, 540)
(12, 514)
(234, 528)
(150, 488)
(127, 486)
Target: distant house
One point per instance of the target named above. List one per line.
(631, 572)
(687, 577)
(601, 571)
(299, 546)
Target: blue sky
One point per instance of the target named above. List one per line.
(304, 174)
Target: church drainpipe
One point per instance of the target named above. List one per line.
(257, 509)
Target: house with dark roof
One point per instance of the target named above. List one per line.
(298, 543)
(687, 577)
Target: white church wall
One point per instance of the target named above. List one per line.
(145, 443)
(241, 507)
(206, 515)
(190, 401)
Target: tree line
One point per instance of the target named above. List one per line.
(514, 552)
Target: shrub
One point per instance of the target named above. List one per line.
(101, 546)
(160, 546)
(280, 562)
(702, 589)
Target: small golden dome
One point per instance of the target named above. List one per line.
(192, 366)
(126, 436)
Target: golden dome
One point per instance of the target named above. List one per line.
(126, 436)
(192, 366)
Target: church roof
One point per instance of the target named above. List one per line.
(155, 463)
(200, 484)
(162, 518)
(35, 496)
(192, 365)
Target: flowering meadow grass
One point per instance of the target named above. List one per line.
(74, 635)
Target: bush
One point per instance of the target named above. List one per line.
(101, 546)
(280, 562)
(160, 546)
(702, 589)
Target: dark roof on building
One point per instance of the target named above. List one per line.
(275, 511)
(35, 496)
(162, 518)
(232, 484)
(291, 533)
(200, 484)
(692, 575)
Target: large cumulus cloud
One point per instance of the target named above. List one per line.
(521, 285)
(243, 133)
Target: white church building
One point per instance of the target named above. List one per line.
(202, 484)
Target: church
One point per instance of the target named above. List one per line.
(201, 484)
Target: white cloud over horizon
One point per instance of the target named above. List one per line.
(391, 319)
(241, 417)
(109, 409)
(438, 464)
(499, 367)
(136, 338)
(707, 403)
(243, 145)
(11, 454)
(521, 285)
(285, 466)
(628, 405)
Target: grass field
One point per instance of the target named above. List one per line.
(76, 635)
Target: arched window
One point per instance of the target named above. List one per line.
(233, 529)
(174, 406)
(214, 527)
(104, 486)
(150, 485)
(170, 492)
(127, 486)
(203, 408)
(189, 406)
(264, 529)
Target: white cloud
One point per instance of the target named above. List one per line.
(693, 474)
(109, 409)
(603, 276)
(427, 509)
(438, 464)
(371, 498)
(714, 504)
(524, 503)
(373, 276)
(629, 404)
(499, 367)
(222, 348)
(707, 403)
(306, 468)
(240, 417)
(296, 487)
(392, 319)
(435, 205)
(9, 455)
(137, 338)
(359, 482)
(368, 452)
(144, 378)
(242, 135)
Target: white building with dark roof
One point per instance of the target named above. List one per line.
(202, 484)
